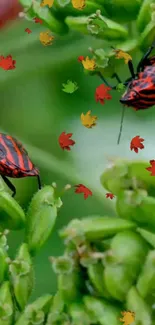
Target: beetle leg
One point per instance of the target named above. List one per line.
(131, 68)
(39, 182)
(10, 185)
(142, 61)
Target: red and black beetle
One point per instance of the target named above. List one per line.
(15, 162)
(140, 92)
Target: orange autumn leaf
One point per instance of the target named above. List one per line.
(48, 3)
(128, 317)
(89, 64)
(101, 93)
(27, 30)
(80, 188)
(123, 55)
(110, 195)
(78, 4)
(7, 63)
(136, 143)
(65, 142)
(88, 120)
(38, 20)
(45, 38)
(152, 168)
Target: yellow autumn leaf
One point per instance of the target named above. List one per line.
(89, 64)
(123, 55)
(45, 38)
(47, 3)
(79, 4)
(128, 317)
(88, 120)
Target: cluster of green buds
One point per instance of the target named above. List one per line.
(108, 265)
(127, 25)
(17, 276)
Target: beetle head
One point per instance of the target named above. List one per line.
(130, 97)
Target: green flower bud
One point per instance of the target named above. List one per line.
(122, 12)
(111, 31)
(12, 215)
(146, 280)
(3, 239)
(34, 9)
(119, 278)
(136, 303)
(6, 304)
(130, 248)
(22, 276)
(148, 236)
(56, 312)
(95, 273)
(41, 218)
(79, 314)
(147, 37)
(69, 10)
(144, 16)
(35, 313)
(136, 206)
(99, 227)
(62, 264)
(104, 312)
(69, 279)
(3, 264)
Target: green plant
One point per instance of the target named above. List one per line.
(129, 26)
(108, 262)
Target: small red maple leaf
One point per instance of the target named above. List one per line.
(136, 143)
(152, 168)
(101, 93)
(80, 188)
(7, 63)
(110, 195)
(38, 20)
(65, 141)
(80, 58)
(27, 30)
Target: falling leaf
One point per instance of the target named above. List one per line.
(136, 143)
(7, 63)
(152, 168)
(45, 38)
(123, 55)
(38, 20)
(70, 87)
(80, 58)
(87, 120)
(128, 317)
(110, 195)
(120, 87)
(80, 188)
(27, 30)
(48, 3)
(101, 93)
(65, 142)
(89, 64)
(79, 4)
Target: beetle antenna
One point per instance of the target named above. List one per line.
(121, 126)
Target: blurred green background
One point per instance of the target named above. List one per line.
(34, 109)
